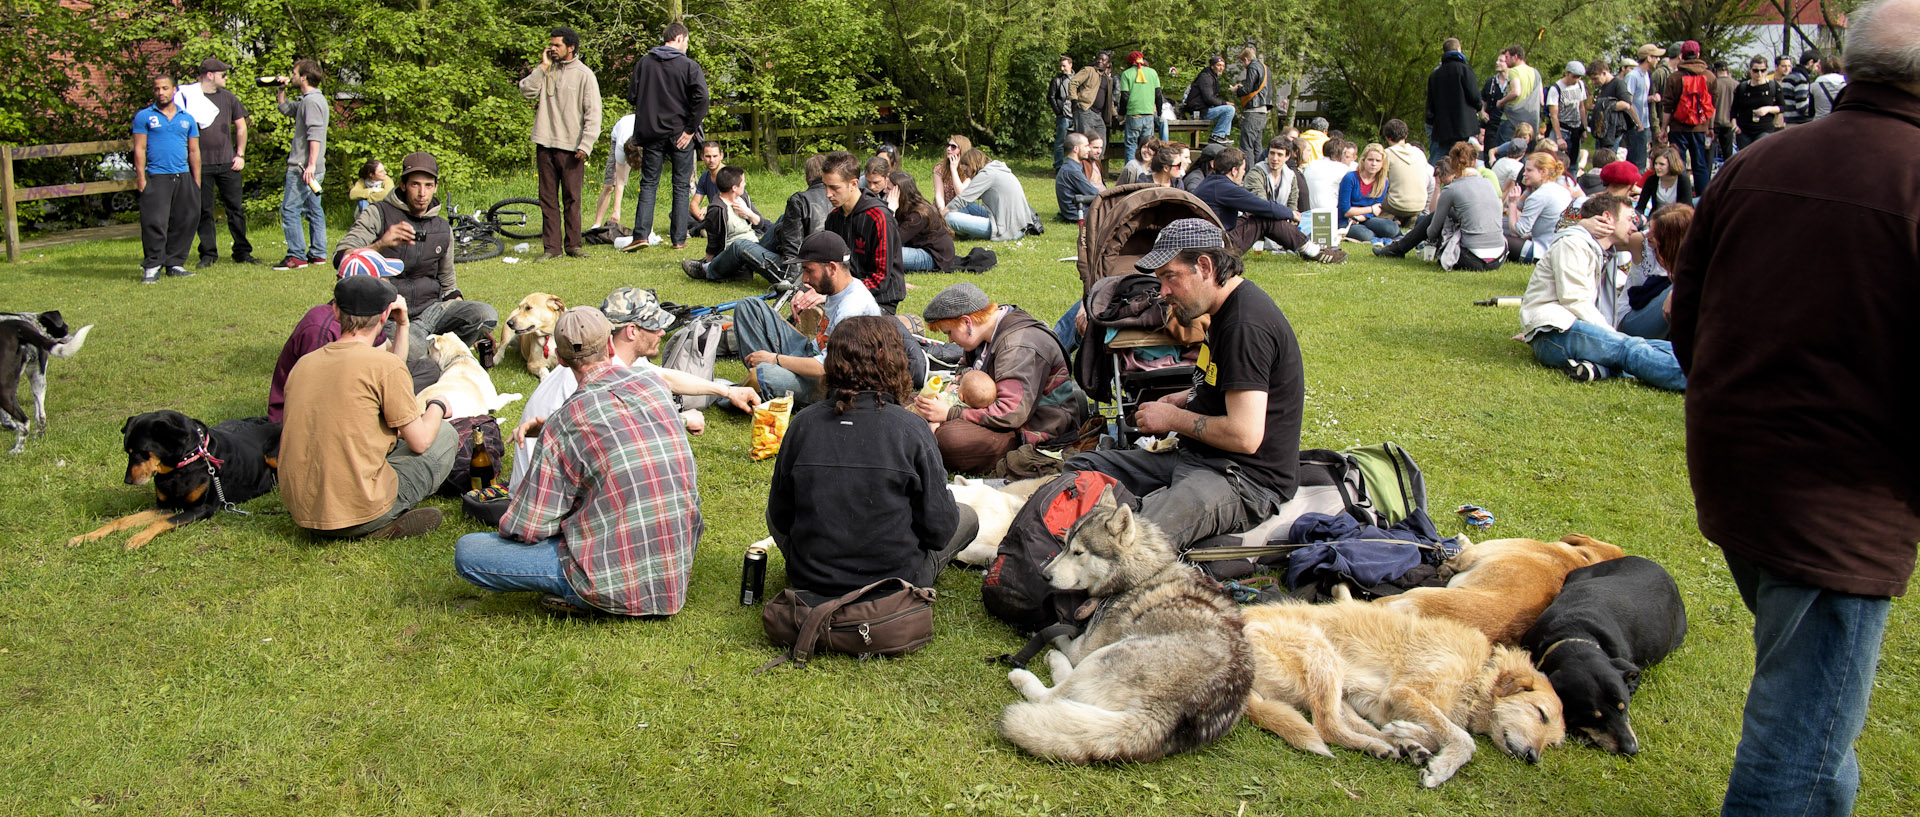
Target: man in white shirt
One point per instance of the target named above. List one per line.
(1567, 112)
(613, 185)
(1323, 175)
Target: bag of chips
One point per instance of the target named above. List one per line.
(770, 425)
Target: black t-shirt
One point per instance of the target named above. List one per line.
(216, 139)
(1251, 346)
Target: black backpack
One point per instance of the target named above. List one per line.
(1014, 591)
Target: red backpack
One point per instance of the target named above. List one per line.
(1696, 100)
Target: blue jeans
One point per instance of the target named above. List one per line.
(1065, 330)
(760, 330)
(1372, 228)
(741, 258)
(298, 201)
(1650, 360)
(1815, 653)
(651, 157)
(494, 562)
(968, 225)
(1139, 129)
(1694, 147)
(914, 259)
(1648, 321)
(1062, 125)
(1222, 116)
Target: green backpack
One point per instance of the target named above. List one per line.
(1393, 482)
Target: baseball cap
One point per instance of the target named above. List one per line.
(639, 307)
(212, 64)
(824, 247)
(1184, 234)
(365, 261)
(959, 299)
(1650, 50)
(1618, 173)
(420, 161)
(580, 332)
(363, 295)
(1690, 48)
(1576, 68)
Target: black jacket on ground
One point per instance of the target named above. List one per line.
(668, 91)
(805, 215)
(858, 497)
(1453, 99)
(873, 239)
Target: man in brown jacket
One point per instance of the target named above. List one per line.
(1093, 99)
(1689, 137)
(1800, 434)
(566, 123)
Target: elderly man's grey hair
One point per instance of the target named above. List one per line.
(1883, 42)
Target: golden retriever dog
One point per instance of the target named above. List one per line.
(1394, 684)
(1501, 587)
(463, 383)
(532, 323)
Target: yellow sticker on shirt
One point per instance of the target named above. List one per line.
(1209, 371)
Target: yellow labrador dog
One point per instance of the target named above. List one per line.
(1394, 684)
(532, 323)
(463, 383)
(1502, 586)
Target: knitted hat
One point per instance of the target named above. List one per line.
(580, 332)
(639, 307)
(954, 301)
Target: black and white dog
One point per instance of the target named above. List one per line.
(27, 341)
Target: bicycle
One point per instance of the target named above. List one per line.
(476, 236)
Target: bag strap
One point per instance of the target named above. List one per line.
(1038, 642)
(808, 636)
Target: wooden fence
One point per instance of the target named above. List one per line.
(11, 197)
(763, 135)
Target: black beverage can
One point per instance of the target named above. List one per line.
(753, 575)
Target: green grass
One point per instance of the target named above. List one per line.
(239, 667)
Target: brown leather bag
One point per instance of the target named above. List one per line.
(895, 623)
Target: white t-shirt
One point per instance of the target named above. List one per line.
(1568, 97)
(622, 131)
(1323, 177)
(852, 301)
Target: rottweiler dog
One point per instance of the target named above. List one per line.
(1610, 621)
(182, 457)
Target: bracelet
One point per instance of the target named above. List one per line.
(444, 411)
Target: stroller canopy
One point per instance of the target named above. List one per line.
(1122, 223)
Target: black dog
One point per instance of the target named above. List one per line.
(1612, 620)
(191, 467)
(27, 340)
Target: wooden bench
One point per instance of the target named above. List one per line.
(1196, 130)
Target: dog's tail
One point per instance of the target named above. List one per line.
(1083, 733)
(71, 345)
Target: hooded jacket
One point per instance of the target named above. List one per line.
(996, 188)
(873, 244)
(668, 91)
(427, 276)
(1676, 83)
(1035, 390)
(1453, 99)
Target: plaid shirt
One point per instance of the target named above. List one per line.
(614, 477)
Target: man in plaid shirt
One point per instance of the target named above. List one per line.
(608, 517)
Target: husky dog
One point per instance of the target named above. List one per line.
(1162, 668)
(1392, 683)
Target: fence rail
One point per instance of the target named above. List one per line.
(11, 197)
(763, 135)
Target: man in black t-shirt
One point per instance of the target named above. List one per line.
(1239, 426)
(222, 156)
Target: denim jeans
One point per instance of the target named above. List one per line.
(1065, 330)
(968, 225)
(1372, 228)
(1649, 360)
(651, 157)
(494, 562)
(1648, 321)
(760, 330)
(298, 201)
(914, 259)
(1222, 116)
(1815, 653)
(741, 259)
(1693, 146)
(1139, 129)
(1062, 125)
(1636, 142)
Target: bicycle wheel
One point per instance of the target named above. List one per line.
(476, 247)
(515, 218)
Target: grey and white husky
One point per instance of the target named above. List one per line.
(1162, 668)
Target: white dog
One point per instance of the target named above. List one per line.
(463, 384)
(995, 508)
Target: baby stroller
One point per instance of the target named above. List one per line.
(1131, 352)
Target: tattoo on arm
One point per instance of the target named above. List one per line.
(1200, 425)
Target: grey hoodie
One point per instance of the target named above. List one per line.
(996, 188)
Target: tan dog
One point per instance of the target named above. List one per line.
(532, 323)
(463, 383)
(1391, 683)
(1501, 587)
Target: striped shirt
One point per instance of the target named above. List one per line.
(615, 478)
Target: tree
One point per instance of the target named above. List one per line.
(1720, 26)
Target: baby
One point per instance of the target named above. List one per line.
(977, 389)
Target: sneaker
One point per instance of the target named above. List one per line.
(412, 523)
(177, 271)
(150, 275)
(290, 262)
(205, 263)
(694, 268)
(1585, 371)
(1330, 255)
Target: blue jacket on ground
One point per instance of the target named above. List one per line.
(1228, 200)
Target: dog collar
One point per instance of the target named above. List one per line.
(546, 346)
(202, 454)
(1555, 645)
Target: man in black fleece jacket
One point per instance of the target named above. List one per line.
(668, 91)
(869, 229)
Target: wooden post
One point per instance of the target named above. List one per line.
(9, 203)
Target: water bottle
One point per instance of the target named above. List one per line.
(522, 247)
(753, 575)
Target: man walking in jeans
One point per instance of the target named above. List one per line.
(566, 123)
(1140, 101)
(669, 95)
(166, 154)
(301, 218)
(1689, 137)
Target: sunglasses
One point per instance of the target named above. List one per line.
(952, 146)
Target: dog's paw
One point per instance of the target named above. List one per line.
(1019, 678)
(1057, 661)
(1432, 779)
(81, 540)
(1411, 739)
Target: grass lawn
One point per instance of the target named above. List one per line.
(239, 667)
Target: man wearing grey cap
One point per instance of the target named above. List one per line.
(1239, 426)
(223, 154)
(357, 451)
(607, 517)
(1567, 111)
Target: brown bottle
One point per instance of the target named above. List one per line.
(481, 468)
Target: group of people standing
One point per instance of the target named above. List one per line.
(1098, 99)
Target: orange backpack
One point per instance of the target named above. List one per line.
(1696, 100)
